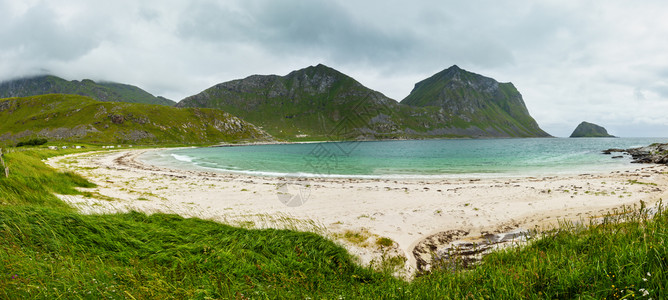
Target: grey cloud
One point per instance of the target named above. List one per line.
(331, 31)
(212, 22)
(661, 89)
(320, 28)
(639, 94)
(148, 14)
(37, 35)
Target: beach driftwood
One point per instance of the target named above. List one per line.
(652, 154)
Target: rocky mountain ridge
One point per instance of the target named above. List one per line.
(320, 102)
(101, 91)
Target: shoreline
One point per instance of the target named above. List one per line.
(498, 174)
(408, 212)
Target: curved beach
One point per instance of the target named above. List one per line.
(405, 211)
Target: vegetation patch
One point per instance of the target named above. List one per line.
(32, 142)
(32, 182)
(384, 242)
(633, 181)
(356, 237)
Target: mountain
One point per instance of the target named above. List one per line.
(586, 129)
(476, 102)
(319, 103)
(77, 118)
(103, 91)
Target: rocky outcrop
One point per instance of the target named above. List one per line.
(652, 154)
(454, 250)
(586, 129)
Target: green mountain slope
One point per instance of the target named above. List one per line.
(103, 91)
(586, 129)
(319, 102)
(473, 100)
(313, 103)
(82, 119)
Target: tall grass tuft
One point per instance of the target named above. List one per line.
(31, 182)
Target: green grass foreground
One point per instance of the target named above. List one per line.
(49, 251)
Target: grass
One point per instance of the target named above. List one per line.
(66, 254)
(31, 182)
(50, 251)
(384, 242)
(633, 181)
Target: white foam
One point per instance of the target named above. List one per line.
(358, 176)
(182, 158)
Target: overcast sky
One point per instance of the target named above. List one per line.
(605, 62)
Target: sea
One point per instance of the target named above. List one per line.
(409, 159)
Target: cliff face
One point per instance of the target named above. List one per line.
(472, 100)
(586, 129)
(104, 91)
(322, 103)
(82, 119)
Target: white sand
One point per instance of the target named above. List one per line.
(405, 211)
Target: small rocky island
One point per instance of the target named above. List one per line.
(586, 129)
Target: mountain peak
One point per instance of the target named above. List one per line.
(456, 72)
(318, 78)
(308, 102)
(319, 68)
(475, 100)
(455, 68)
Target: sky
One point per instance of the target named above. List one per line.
(604, 62)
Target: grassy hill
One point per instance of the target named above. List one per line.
(103, 91)
(319, 103)
(74, 118)
(49, 251)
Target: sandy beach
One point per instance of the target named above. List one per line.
(357, 212)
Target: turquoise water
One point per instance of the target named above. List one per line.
(408, 159)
